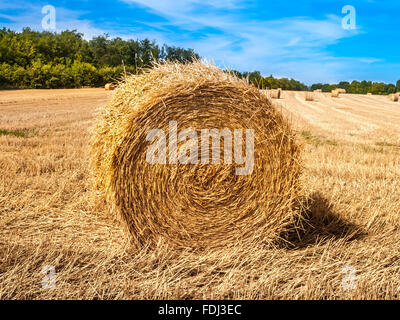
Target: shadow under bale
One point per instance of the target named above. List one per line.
(319, 223)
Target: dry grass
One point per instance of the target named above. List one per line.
(49, 216)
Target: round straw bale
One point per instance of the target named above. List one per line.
(109, 86)
(195, 205)
(335, 94)
(369, 94)
(393, 97)
(340, 90)
(275, 94)
(309, 96)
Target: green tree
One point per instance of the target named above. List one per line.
(31, 59)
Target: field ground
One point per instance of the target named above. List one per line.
(50, 216)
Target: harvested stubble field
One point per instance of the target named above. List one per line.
(50, 216)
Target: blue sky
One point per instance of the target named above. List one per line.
(300, 39)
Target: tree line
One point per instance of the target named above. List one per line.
(360, 87)
(270, 82)
(33, 59)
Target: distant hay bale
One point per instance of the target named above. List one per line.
(195, 205)
(275, 94)
(393, 97)
(340, 90)
(369, 94)
(309, 96)
(109, 86)
(335, 94)
(318, 90)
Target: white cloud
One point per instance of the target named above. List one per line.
(291, 46)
